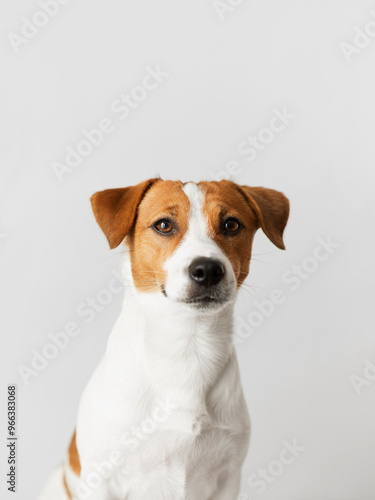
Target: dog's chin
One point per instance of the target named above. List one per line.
(201, 302)
(205, 303)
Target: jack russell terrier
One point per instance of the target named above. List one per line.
(163, 416)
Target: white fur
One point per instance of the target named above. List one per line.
(166, 402)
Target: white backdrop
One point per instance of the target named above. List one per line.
(225, 70)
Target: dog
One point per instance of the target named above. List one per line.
(163, 416)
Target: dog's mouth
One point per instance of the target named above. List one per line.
(203, 301)
(206, 302)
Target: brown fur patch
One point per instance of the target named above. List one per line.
(223, 200)
(272, 209)
(255, 207)
(74, 462)
(66, 487)
(149, 249)
(115, 210)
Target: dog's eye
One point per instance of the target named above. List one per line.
(163, 226)
(231, 225)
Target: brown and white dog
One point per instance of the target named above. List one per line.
(163, 416)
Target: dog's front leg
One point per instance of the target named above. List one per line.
(89, 490)
(92, 484)
(228, 487)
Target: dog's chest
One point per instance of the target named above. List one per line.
(173, 464)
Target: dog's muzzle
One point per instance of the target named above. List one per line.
(207, 284)
(207, 288)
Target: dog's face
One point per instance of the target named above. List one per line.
(190, 242)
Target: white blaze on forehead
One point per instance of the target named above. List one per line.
(198, 222)
(197, 242)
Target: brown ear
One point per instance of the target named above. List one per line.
(272, 210)
(115, 210)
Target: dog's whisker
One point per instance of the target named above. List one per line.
(262, 261)
(260, 287)
(265, 253)
(252, 292)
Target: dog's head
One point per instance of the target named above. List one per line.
(190, 242)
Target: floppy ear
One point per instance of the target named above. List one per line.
(272, 210)
(115, 210)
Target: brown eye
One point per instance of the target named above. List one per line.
(231, 226)
(163, 226)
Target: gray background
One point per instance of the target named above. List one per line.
(225, 79)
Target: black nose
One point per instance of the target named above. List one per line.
(206, 272)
